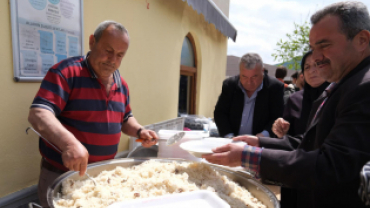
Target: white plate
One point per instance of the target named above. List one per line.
(219, 139)
(202, 147)
(194, 199)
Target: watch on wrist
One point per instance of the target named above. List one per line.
(138, 132)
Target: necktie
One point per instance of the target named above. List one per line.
(328, 90)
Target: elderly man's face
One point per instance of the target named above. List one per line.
(251, 78)
(106, 54)
(332, 51)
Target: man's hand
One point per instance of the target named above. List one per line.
(148, 138)
(229, 155)
(75, 157)
(280, 127)
(74, 154)
(249, 139)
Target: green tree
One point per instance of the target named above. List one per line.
(292, 50)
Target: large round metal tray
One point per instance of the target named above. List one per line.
(256, 188)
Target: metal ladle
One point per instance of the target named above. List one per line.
(56, 148)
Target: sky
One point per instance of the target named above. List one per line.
(262, 23)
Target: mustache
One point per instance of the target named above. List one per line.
(325, 61)
(110, 65)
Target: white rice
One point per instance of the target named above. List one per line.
(151, 179)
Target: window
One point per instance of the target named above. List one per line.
(188, 75)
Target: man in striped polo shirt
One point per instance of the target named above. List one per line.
(82, 107)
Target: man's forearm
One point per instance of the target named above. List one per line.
(50, 128)
(131, 126)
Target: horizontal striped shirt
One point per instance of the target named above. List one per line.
(80, 102)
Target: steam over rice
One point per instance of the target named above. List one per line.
(151, 179)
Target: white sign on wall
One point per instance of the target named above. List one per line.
(44, 32)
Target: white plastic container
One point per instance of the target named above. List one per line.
(195, 199)
(175, 151)
(172, 124)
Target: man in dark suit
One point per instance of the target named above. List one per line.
(249, 102)
(324, 167)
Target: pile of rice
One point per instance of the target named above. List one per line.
(151, 179)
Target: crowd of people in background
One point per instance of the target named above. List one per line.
(280, 74)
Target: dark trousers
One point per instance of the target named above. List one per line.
(48, 174)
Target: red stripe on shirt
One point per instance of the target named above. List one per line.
(88, 94)
(121, 99)
(124, 83)
(50, 77)
(128, 108)
(93, 158)
(95, 116)
(75, 71)
(94, 138)
(56, 65)
(51, 97)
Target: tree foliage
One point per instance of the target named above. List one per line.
(292, 50)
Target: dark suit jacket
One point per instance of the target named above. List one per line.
(325, 166)
(297, 112)
(269, 106)
(292, 113)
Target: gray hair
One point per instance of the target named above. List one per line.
(250, 60)
(354, 17)
(104, 25)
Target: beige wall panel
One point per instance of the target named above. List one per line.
(151, 69)
(20, 159)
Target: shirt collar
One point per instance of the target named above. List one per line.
(257, 90)
(116, 74)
